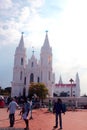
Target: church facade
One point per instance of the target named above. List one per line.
(32, 71)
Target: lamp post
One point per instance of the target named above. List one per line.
(71, 81)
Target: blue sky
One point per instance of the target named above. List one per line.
(66, 22)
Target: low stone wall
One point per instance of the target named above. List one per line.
(76, 101)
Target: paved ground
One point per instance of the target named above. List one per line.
(44, 120)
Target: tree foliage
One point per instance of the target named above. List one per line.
(5, 91)
(39, 89)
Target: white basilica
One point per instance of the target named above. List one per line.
(32, 71)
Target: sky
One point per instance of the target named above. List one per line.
(66, 22)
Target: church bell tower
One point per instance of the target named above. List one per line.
(19, 69)
(46, 64)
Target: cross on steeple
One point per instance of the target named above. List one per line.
(33, 50)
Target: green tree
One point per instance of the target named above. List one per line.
(5, 91)
(39, 89)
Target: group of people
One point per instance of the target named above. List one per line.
(58, 109)
(26, 108)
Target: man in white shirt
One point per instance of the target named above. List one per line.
(12, 108)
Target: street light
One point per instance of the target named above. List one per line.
(71, 81)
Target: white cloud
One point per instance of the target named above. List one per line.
(5, 4)
(19, 19)
(37, 3)
(25, 13)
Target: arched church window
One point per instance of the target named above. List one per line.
(25, 81)
(21, 75)
(49, 59)
(38, 79)
(31, 77)
(41, 75)
(21, 61)
(32, 64)
(24, 92)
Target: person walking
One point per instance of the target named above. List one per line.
(12, 108)
(30, 102)
(58, 110)
(26, 109)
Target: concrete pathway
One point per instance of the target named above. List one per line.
(44, 120)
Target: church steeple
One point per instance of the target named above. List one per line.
(46, 49)
(60, 80)
(46, 41)
(77, 78)
(46, 63)
(21, 43)
(19, 68)
(20, 53)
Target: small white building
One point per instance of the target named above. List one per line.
(71, 89)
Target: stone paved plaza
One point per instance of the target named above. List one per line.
(44, 120)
